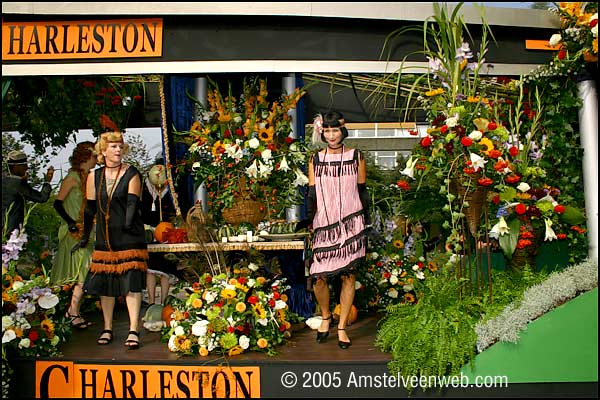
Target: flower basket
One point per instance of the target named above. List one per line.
(475, 197)
(526, 255)
(244, 210)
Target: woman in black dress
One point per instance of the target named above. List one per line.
(119, 260)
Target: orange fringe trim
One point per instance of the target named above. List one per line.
(119, 262)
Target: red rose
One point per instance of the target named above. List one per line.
(593, 22)
(444, 128)
(513, 179)
(252, 300)
(520, 209)
(492, 126)
(276, 296)
(230, 329)
(496, 199)
(402, 184)
(561, 236)
(289, 140)
(426, 141)
(466, 141)
(272, 303)
(239, 132)
(559, 209)
(33, 336)
(562, 54)
(513, 151)
(137, 97)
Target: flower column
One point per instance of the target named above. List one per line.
(289, 85)
(588, 122)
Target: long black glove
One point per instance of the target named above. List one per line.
(60, 209)
(88, 222)
(311, 203)
(365, 201)
(132, 201)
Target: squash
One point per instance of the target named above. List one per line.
(352, 317)
(167, 310)
(160, 230)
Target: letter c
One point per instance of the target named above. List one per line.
(45, 380)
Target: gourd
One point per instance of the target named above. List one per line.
(352, 316)
(279, 228)
(160, 229)
(166, 314)
(226, 231)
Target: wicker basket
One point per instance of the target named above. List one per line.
(475, 197)
(244, 210)
(197, 223)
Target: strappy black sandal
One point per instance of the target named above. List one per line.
(321, 336)
(102, 340)
(133, 344)
(81, 325)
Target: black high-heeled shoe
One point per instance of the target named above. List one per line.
(321, 336)
(343, 345)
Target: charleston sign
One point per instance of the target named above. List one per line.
(82, 39)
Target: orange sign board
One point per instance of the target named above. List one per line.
(60, 379)
(540, 45)
(45, 40)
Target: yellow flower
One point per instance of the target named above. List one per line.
(409, 297)
(434, 92)
(284, 297)
(262, 343)
(197, 303)
(227, 293)
(240, 307)
(48, 326)
(489, 146)
(235, 350)
(203, 351)
(261, 280)
(233, 281)
(399, 244)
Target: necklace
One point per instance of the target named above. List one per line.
(106, 211)
(116, 166)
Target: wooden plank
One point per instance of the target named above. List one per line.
(239, 246)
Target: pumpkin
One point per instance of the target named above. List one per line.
(160, 230)
(167, 310)
(352, 317)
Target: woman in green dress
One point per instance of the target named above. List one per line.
(69, 267)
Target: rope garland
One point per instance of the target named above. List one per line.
(163, 114)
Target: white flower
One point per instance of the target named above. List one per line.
(24, 343)
(195, 166)
(210, 297)
(393, 279)
(393, 293)
(17, 285)
(266, 155)
(200, 328)
(420, 275)
(28, 308)
(415, 267)
(252, 267)
(499, 229)
(264, 170)
(475, 135)
(244, 342)
(234, 151)
(523, 187)
(179, 331)
(253, 143)
(283, 165)
(280, 305)
(301, 179)
(357, 285)
(452, 122)
(555, 39)
(7, 322)
(550, 235)
(263, 321)
(252, 170)
(171, 344)
(595, 29)
(48, 301)
(477, 161)
(410, 168)
(8, 336)
(314, 322)
(251, 282)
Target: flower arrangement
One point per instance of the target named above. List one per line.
(578, 37)
(229, 314)
(30, 324)
(241, 147)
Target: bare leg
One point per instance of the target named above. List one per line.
(151, 286)
(321, 290)
(164, 288)
(108, 308)
(346, 300)
(74, 307)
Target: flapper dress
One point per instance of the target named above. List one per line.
(339, 243)
(119, 261)
(68, 267)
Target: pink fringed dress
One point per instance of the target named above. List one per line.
(339, 243)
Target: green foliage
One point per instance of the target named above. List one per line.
(42, 232)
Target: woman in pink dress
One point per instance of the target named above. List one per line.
(337, 208)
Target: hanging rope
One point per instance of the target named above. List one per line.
(163, 114)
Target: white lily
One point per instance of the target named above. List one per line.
(283, 165)
(410, 168)
(477, 161)
(550, 235)
(499, 229)
(301, 179)
(264, 170)
(252, 170)
(266, 155)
